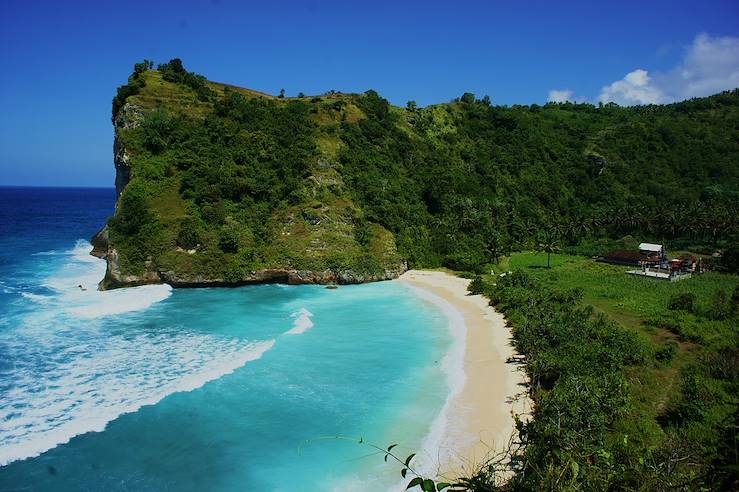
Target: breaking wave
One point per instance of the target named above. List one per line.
(302, 322)
(86, 384)
(70, 374)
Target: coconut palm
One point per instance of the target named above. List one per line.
(548, 244)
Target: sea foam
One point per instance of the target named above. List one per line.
(71, 374)
(302, 322)
(74, 287)
(435, 448)
(86, 386)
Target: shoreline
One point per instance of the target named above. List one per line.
(476, 421)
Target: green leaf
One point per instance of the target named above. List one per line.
(442, 485)
(575, 469)
(403, 472)
(428, 485)
(409, 458)
(389, 448)
(414, 482)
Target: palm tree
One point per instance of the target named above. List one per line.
(548, 244)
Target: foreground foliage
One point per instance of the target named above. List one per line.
(629, 405)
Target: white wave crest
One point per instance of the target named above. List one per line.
(94, 304)
(302, 322)
(92, 383)
(75, 284)
(36, 297)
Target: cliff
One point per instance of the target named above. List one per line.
(311, 232)
(221, 185)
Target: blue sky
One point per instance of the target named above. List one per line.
(63, 60)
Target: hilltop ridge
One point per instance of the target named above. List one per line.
(221, 185)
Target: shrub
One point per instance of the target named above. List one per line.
(228, 240)
(476, 286)
(682, 302)
(174, 71)
(667, 352)
(720, 305)
(188, 236)
(132, 213)
(468, 98)
(230, 236)
(135, 84)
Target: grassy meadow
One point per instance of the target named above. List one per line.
(659, 411)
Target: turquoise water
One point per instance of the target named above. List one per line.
(202, 389)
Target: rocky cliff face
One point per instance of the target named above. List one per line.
(116, 278)
(130, 116)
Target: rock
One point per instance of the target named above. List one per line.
(129, 116)
(100, 242)
(115, 278)
(311, 217)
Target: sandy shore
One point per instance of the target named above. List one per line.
(477, 420)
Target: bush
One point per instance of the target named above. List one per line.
(189, 235)
(132, 213)
(228, 241)
(476, 286)
(682, 302)
(135, 83)
(174, 71)
(468, 98)
(720, 306)
(229, 238)
(667, 352)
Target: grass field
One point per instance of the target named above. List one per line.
(642, 305)
(675, 424)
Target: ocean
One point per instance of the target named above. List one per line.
(266, 387)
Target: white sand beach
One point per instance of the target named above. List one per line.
(477, 421)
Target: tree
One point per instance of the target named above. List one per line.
(282, 93)
(486, 100)
(548, 244)
(301, 94)
(468, 98)
(410, 105)
(142, 67)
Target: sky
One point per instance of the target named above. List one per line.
(62, 60)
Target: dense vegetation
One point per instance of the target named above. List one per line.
(461, 183)
(648, 403)
(249, 181)
(224, 183)
(635, 387)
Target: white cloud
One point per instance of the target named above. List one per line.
(560, 95)
(635, 88)
(710, 65)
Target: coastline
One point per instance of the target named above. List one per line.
(476, 421)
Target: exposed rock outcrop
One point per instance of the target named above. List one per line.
(114, 278)
(100, 242)
(129, 116)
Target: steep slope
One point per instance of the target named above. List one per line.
(234, 187)
(224, 185)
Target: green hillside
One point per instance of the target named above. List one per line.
(226, 185)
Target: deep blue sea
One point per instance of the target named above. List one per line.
(151, 388)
